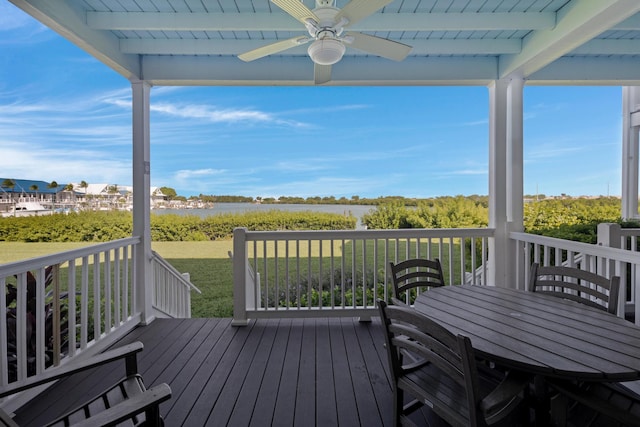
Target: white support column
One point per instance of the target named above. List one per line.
(630, 130)
(498, 178)
(515, 175)
(141, 198)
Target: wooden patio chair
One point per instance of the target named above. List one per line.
(450, 384)
(127, 400)
(414, 273)
(576, 285)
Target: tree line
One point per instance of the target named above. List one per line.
(567, 218)
(572, 219)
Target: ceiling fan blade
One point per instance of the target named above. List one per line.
(297, 9)
(322, 73)
(270, 49)
(356, 10)
(378, 46)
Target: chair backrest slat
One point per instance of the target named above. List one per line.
(577, 285)
(415, 274)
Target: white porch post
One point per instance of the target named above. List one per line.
(141, 197)
(515, 175)
(498, 183)
(630, 130)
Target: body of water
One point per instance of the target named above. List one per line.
(222, 208)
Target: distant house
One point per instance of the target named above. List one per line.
(101, 196)
(23, 190)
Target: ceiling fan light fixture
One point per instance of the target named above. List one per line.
(326, 51)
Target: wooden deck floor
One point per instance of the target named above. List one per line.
(286, 372)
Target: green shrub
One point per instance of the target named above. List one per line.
(107, 226)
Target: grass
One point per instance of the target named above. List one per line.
(17, 251)
(211, 271)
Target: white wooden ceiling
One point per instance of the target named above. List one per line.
(460, 42)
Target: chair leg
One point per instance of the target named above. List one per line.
(541, 401)
(398, 404)
(558, 410)
(153, 418)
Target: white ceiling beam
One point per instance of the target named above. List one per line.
(69, 22)
(159, 21)
(578, 22)
(176, 71)
(235, 47)
(585, 70)
(629, 24)
(608, 47)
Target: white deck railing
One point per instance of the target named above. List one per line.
(600, 259)
(57, 306)
(87, 300)
(629, 241)
(341, 273)
(172, 289)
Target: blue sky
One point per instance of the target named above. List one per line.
(66, 117)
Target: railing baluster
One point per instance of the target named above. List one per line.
(265, 284)
(257, 284)
(376, 283)
(40, 316)
(276, 271)
(21, 326)
(287, 278)
(97, 300)
(125, 282)
(298, 276)
(343, 297)
(309, 269)
(4, 362)
(354, 293)
(116, 286)
(332, 277)
(84, 304)
(320, 284)
(462, 260)
(451, 274)
(107, 292)
(72, 310)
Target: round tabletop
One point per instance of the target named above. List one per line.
(537, 333)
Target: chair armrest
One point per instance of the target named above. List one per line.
(128, 408)
(396, 301)
(506, 396)
(65, 370)
(616, 407)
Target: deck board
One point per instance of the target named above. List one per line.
(278, 372)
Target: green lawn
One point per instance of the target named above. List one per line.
(211, 271)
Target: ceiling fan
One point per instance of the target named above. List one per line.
(325, 25)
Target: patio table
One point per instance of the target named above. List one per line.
(539, 334)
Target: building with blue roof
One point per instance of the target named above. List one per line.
(28, 187)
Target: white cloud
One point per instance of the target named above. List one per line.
(197, 173)
(34, 161)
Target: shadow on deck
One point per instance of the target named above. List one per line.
(323, 372)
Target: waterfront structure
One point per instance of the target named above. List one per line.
(72, 196)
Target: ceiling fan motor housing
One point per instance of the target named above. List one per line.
(326, 51)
